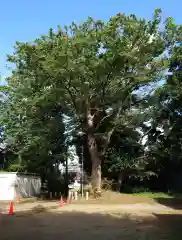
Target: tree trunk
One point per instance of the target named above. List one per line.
(96, 164)
(120, 181)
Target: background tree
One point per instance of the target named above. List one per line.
(34, 137)
(164, 130)
(125, 156)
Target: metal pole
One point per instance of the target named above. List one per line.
(66, 179)
(82, 171)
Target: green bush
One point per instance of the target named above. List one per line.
(16, 168)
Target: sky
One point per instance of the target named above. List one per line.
(22, 20)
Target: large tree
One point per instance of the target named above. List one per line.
(91, 71)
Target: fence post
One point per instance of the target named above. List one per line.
(86, 195)
(50, 195)
(76, 196)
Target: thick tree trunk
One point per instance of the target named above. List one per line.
(96, 164)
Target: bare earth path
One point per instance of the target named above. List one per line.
(46, 220)
(87, 207)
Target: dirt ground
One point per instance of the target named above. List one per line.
(103, 222)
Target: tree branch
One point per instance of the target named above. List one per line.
(102, 120)
(109, 134)
(72, 97)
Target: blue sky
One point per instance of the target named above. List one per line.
(25, 20)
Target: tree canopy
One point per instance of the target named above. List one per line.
(87, 79)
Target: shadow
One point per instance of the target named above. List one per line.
(174, 202)
(41, 224)
(173, 223)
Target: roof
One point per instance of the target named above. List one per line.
(20, 173)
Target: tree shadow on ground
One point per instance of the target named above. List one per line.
(173, 223)
(40, 224)
(174, 202)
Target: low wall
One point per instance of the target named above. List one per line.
(27, 186)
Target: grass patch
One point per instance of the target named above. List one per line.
(110, 197)
(28, 200)
(153, 195)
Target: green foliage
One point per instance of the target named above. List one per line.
(84, 78)
(16, 168)
(92, 65)
(125, 153)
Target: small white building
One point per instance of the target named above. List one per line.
(15, 185)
